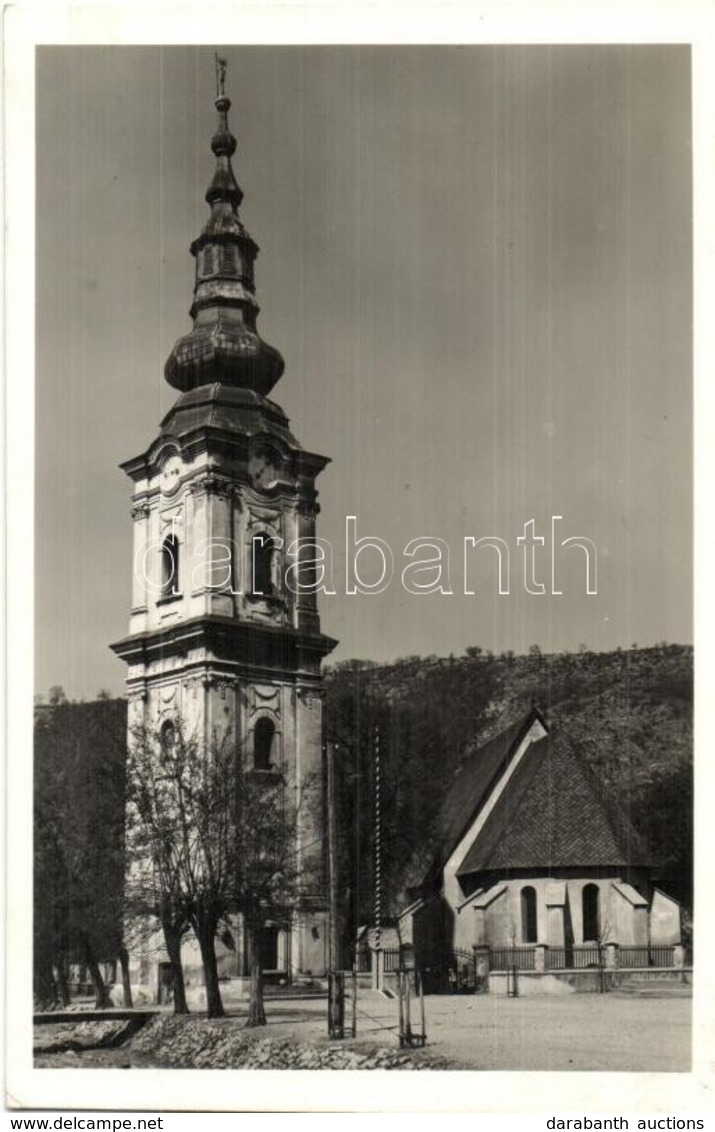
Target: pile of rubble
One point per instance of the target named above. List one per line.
(79, 1036)
(192, 1043)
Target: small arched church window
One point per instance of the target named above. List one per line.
(591, 918)
(263, 738)
(528, 914)
(263, 549)
(170, 567)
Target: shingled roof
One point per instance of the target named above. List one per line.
(553, 814)
(472, 787)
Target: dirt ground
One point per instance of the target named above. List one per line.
(612, 1032)
(580, 1032)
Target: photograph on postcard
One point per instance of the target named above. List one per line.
(363, 723)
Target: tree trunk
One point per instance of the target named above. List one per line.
(126, 983)
(101, 994)
(172, 940)
(62, 984)
(206, 933)
(256, 1008)
(45, 985)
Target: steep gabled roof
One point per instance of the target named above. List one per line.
(553, 814)
(472, 787)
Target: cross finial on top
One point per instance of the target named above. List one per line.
(220, 75)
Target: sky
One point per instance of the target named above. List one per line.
(476, 262)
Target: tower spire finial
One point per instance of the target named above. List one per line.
(221, 66)
(224, 345)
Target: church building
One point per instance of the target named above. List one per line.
(224, 505)
(535, 867)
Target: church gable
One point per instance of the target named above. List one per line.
(551, 815)
(474, 786)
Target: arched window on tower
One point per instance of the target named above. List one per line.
(591, 918)
(170, 566)
(168, 736)
(528, 914)
(263, 738)
(262, 550)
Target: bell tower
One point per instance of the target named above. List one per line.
(224, 631)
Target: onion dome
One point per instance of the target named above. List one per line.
(224, 345)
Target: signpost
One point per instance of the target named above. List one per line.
(407, 971)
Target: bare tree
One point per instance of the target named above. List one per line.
(276, 867)
(211, 839)
(168, 877)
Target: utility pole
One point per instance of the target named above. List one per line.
(336, 997)
(378, 968)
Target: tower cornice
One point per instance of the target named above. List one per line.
(218, 443)
(275, 648)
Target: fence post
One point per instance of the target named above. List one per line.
(611, 956)
(408, 1011)
(514, 981)
(422, 1008)
(540, 957)
(401, 1008)
(678, 955)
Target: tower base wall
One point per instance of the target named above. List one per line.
(295, 951)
